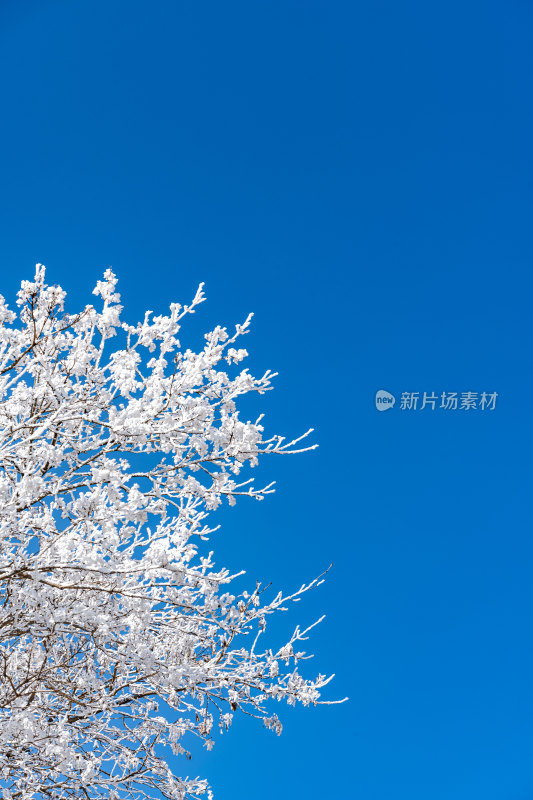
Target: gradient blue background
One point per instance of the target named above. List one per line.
(360, 176)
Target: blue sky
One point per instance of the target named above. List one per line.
(360, 176)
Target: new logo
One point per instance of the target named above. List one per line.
(384, 400)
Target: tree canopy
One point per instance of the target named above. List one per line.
(117, 633)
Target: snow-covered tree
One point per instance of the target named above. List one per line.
(117, 633)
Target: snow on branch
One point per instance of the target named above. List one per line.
(115, 446)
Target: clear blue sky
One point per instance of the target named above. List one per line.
(358, 174)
